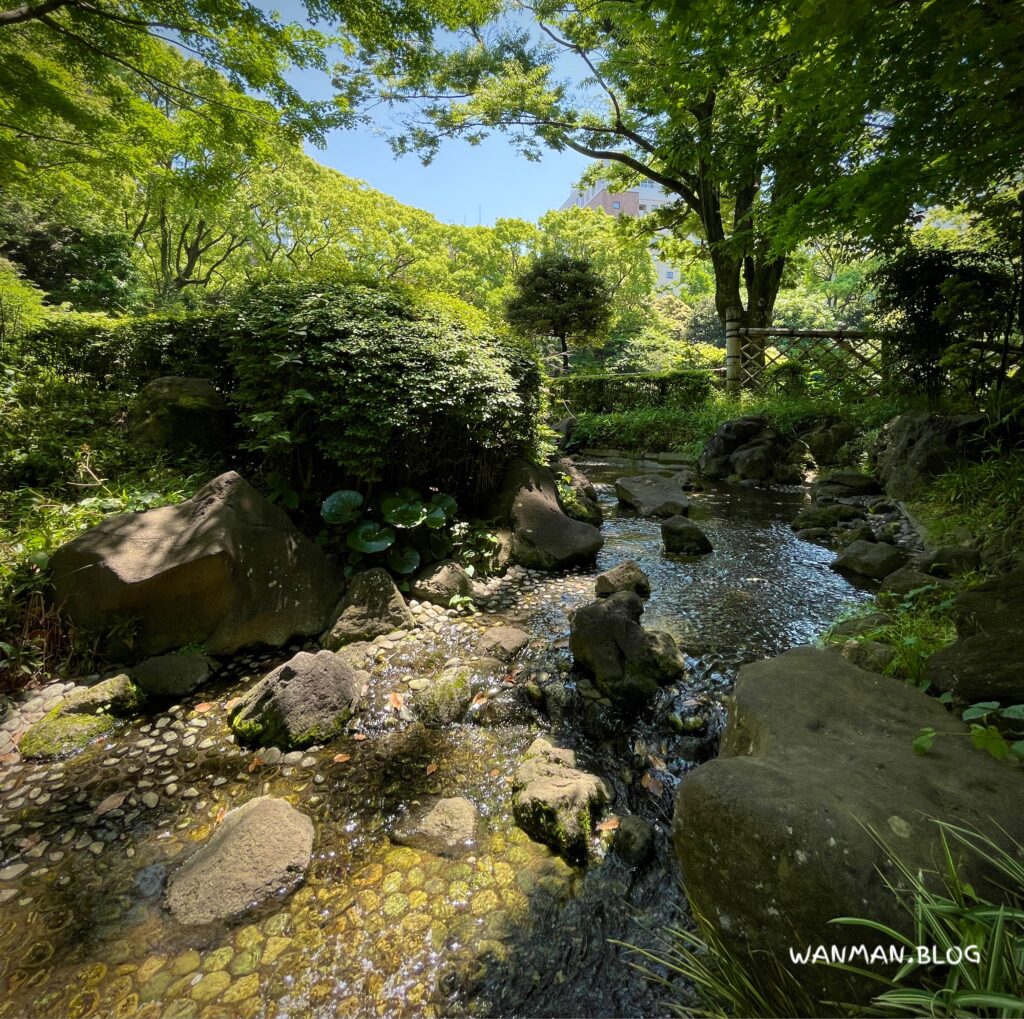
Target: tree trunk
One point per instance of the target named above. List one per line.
(564, 347)
(760, 279)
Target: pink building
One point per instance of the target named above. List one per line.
(640, 200)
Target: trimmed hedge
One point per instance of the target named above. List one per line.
(125, 354)
(605, 394)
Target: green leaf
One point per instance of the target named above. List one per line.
(295, 395)
(435, 518)
(924, 742)
(1017, 749)
(444, 503)
(990, 739)
(401, 512)
(341, 507)
(402, 559)
(979, 710)
(370, 537)
(1014, 712)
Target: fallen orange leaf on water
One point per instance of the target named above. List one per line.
(232, 704)
(396, 700)
(431, 768)
(342, 758)
(610, 824)
(657, 762)
(112, 802)
(255, 763)
(220, 814)
(494, 773)
(480, 698)
(359, 737)
(510, 679)
(204, 707)
(653, 785)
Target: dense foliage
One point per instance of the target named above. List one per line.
(348, 383)
(603, 394)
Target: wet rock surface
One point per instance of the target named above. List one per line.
(444, 827)
(652, 495)
(173, 675)
(259, 850)
(371, 607)
(684, 537)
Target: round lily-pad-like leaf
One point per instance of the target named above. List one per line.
(341, 507)
(435, 518)
(402, 512)
(402, 559)
(445, 503)
(370, 537)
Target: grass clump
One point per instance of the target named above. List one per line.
(984, 500)
(686, 429)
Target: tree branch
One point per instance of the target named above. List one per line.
(18, 15)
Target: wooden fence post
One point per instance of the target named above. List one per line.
(733, 352)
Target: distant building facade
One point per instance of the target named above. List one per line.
(636, 201)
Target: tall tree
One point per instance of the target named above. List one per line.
(561, 297)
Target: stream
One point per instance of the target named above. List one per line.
(381, 929)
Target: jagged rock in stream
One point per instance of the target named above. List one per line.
(117, 695)
(628, 662)
(372, 607)
(446, 698)
(844, 485)
(777, 836)
(873, 559)
(543, 537)
(258, 851)
(825, 440)
(684, 537)
(626, 576)
(306, 700)
(917, 446)
(554, 802)
(445, 827)
(581, 502)
(173, 675)
(634, 840)
(825, 516)
(441, 582)
(651, 495)
(226, 569)
(178, 414)
(503, 642)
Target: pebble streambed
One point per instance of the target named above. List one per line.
(377, 928)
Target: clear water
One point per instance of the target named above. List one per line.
(379, 929)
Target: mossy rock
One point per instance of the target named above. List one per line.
(61, 734)
(446, 699)
(117, 696)
(825, 516)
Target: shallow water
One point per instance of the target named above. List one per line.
(379, 929)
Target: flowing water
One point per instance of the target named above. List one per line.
(379, 929)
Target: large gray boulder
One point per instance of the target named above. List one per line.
(628, 663)
(178, 414)
(984, 667)
(306, 700)
(778, 835)
(948, 561)
(874, 559)
(445, 827)
(173, 675)
(446, 698)
(441, 582)
(918, 446)
(684, 537)
(994, 607)
(554, 802)
(372, 606)
(543, 537)
(226, 569)
(259, 850)
(503, 642)
(651, 495)
(824, 441)
(845, 485)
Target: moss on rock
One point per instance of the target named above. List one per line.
(446, 699)
(61, 734)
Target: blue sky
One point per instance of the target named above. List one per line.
(464, 184)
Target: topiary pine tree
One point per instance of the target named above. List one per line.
(561, 297)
